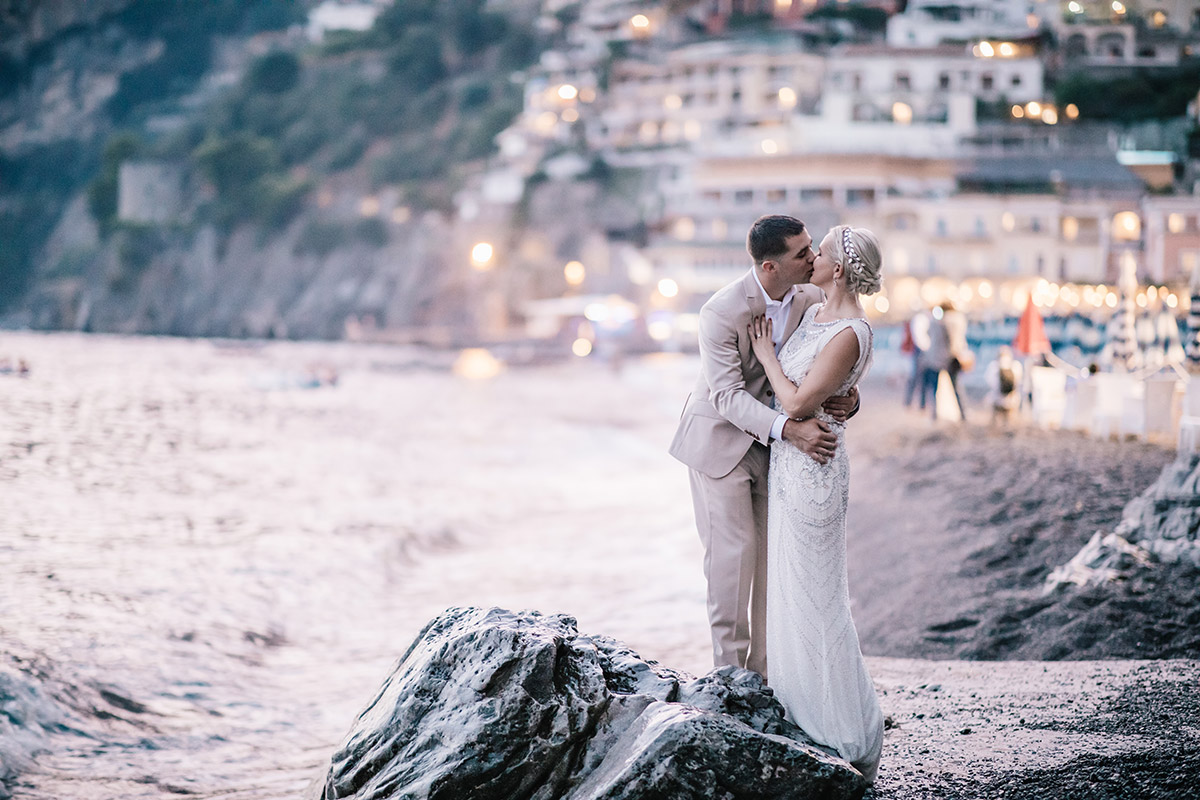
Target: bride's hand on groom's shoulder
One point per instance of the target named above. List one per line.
(812, 436)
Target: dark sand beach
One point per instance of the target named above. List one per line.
(951, 557)
(207, 573)
(993, 687)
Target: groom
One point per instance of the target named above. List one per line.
(728, 424)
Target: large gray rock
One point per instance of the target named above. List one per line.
(1160, 524)
(489, 703)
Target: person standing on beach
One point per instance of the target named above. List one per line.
(817, 668)
(949, 352)
(728, 425)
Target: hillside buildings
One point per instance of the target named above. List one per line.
(940, 135)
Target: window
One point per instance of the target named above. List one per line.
(987, 81)
(743, 197)
(736, 97)
(1126, 226)
(816, 195)
(856, 82)
(1070, 229)
(860, 197)
(939, 226)
(776, 195)
(711, 195)
(944, 80)
(903, 81)
(1041, 264)
(1035, 224)
(980, 228)
(1015, 80)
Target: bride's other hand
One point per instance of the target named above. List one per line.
(841, 406)
(760, 338)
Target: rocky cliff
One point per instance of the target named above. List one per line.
(316, 184)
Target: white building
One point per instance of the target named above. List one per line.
(149, 192)
(337, 15)
(928, 23)
(704, 90)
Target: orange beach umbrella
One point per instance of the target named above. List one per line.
(1031, 339)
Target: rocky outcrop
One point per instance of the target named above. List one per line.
(489, 703)
(1161, 524)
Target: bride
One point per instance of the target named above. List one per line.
(816, 667)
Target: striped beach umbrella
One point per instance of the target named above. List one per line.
(1191, 341)
(1122, 334)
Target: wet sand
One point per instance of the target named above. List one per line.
(208, 573)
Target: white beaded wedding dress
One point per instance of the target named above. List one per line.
(815, 666)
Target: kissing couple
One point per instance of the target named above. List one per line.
(781, 352)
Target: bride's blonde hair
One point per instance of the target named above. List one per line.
(857, 250)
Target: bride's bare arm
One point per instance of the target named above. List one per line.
(826, 376)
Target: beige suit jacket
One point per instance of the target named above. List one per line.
(730, 407)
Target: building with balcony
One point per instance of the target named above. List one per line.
(704, 90)
(928, 23)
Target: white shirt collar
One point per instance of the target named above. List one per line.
(783, 301)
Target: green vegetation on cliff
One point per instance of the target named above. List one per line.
(406, 104)
(1146, 94)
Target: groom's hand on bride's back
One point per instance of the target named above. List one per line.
(812, 436)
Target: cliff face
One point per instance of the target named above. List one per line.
(280, 149)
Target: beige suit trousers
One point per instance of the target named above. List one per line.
(731, 517)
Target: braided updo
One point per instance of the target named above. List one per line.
(857, 250)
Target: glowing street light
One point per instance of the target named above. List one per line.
(481, 256)
(567, 92)
(668, 287)
(640, 22)
(574, 273)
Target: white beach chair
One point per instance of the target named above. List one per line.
(1164, 407)
(1049, 396)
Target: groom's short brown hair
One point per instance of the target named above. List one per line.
(769, 234)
